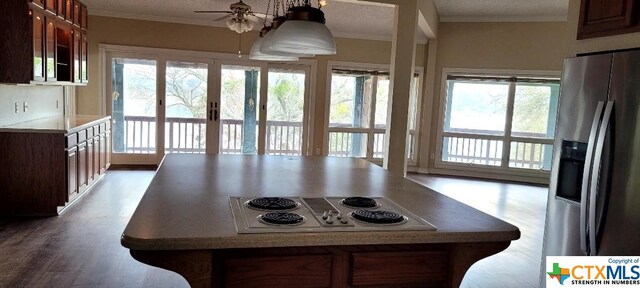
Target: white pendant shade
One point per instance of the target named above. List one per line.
(267, 41)
(295, 36)
(257, 55)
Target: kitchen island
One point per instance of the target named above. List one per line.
(184, 223)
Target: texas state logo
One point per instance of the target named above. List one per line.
(595, 271)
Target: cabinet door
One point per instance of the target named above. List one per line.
(84, 59)
(68, 13)
(50, 5)
(61, 8)
(90, 152)
(103, 152)
(76, 12)
(605, 17)
(84, 17)
(72, 173)
(96, 157)
(77, 48)
(50, 48)
(107, 139)
(82, 166)
(38, 46)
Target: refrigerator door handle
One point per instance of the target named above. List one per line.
(586, 176)
(604, 126)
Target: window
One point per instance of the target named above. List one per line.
(499, 121)
(358, 106)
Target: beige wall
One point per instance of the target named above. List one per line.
(521, 46)
(574, 47)
(211, 39)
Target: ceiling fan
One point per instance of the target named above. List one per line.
(240, 18)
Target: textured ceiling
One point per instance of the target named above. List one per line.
(345, 18)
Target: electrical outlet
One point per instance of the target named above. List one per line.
(25, 106)
(317, 151)
(17, 107)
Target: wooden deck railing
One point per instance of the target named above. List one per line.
(188, 135)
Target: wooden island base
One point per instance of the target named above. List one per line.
(401, 265)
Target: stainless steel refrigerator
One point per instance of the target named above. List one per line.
(594, 192)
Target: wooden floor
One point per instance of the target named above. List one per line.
(82, 248)
(518, 204)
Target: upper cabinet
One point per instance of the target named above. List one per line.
(599, 18)
(45, 42)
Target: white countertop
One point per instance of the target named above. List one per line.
(56, 124)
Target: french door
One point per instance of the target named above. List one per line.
(162, 105)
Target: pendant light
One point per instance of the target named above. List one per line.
(267, 41)
(304, 31)
(257, 55)
(260, 51)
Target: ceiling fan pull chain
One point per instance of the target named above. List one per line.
(239, 45)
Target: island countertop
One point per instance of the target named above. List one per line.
(186, 206)
(55, 124)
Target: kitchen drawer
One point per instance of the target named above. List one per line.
(279, 271)
(90, 132)
(82, 135)
(71, 140)
(399, 269)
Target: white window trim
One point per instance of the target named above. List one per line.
(474, 170)
(411, 162)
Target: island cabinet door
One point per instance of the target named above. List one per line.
(400, 269)
(90, 152)
(107, 151)
(97, 145)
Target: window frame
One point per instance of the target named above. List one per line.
(471, 169)
(372, 131)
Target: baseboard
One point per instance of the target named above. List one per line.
(148, 167)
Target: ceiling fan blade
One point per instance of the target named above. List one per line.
(253, 18)
(224, 17)
(210, 11)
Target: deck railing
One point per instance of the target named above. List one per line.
(188, 135)
(486, 148)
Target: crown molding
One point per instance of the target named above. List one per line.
(503, 18)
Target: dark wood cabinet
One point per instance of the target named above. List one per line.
(72, 173)
(41, 173)
(84, 59)
(600, 18)
(50, 50)
(38, 46)
(50, 5)
(39, 41)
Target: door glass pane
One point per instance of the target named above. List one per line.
(186, 107)
(51, 50)
(350, 101)
(413, 117)
(134, 105)
(534, 110)
(346, 144)
(38, 29)
(239, 111)
(382, 101)
(476, 107)
(285, 111)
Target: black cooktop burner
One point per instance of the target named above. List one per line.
(272, 203)
(281, 218)
(359, 202)
(377, 216)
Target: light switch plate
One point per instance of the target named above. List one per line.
(17, 107)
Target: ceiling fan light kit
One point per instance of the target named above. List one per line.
(240, 25)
